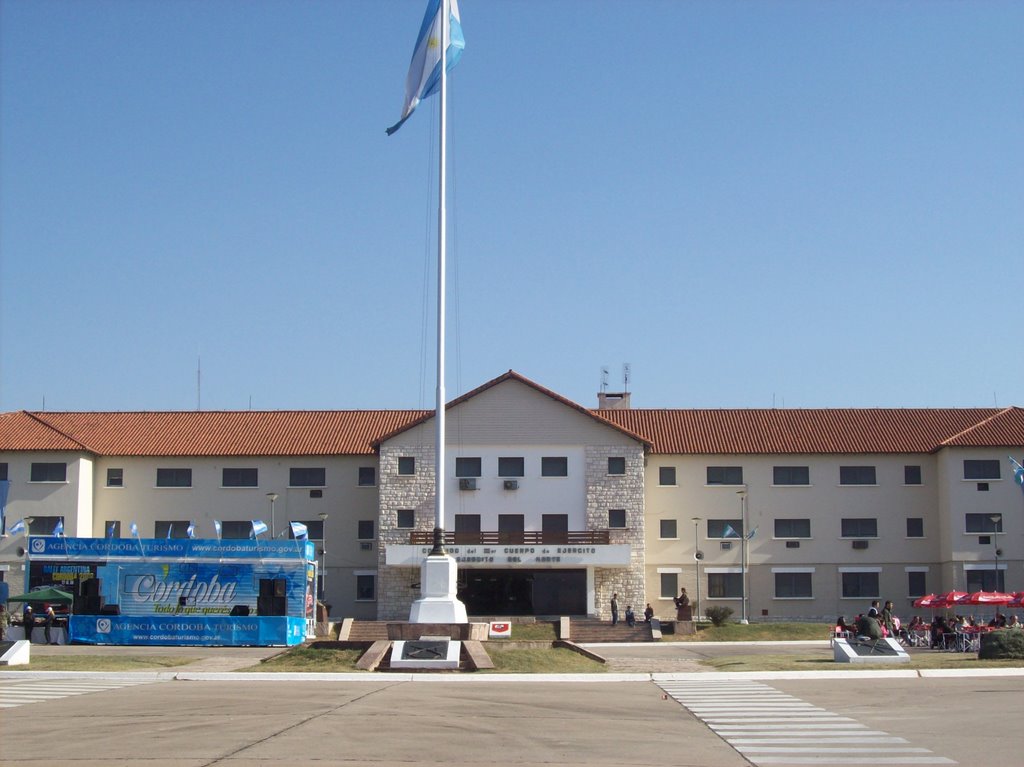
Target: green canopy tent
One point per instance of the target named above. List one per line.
(56, 596)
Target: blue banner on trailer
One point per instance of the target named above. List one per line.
(186, 630)
(181, 591)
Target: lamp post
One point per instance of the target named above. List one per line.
(323, 557)
(996, 520)
(743, 554)
(273, 528)
(697, 556)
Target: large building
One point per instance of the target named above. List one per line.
(551, 506)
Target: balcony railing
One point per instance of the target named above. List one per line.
(526, 538)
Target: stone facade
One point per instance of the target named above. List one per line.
(617, 491)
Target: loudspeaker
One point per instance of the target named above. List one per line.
(110, 610)
(91, 587)
(88, 605)
(266, 588)
(272, 606)
(239, 611)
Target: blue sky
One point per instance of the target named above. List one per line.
(805, 204)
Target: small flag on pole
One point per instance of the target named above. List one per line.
(751, 533)
(190, 531)
(134, 530)
(111, 527)
(58, 529)
(258, 527)
(218, 527)
(299, 531)
(729, 532)
(1018, 473)
(424, 75)
(17, 527)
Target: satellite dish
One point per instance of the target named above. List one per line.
(698, 555)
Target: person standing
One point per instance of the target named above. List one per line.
(28, 621)
(615, 609)
(886, 619)
(648, 613)
(5, 621)
(683, 612)
(48, 620)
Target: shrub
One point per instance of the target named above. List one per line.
(1003, 644)
(719, 615)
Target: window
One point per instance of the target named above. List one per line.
(616, 517)
(985, 579)
(314, 529)
(555, 528)
(916, 583)
(235, 531)
(911, 475)
(173, 478)
(44, 525)
(406, 518)
(725, 528)
(367, 476)
(669, 585)
(866, 527)
(792, 528)
(115, 477)
(307, 477)
(725, 475)
(406, 465)
(616, 465)
(365, 528)
(981, 469)
(511, 527)
(858, 585)
(239, 478)
(915, 527)
(112, 529)
(366, 587)
(467, 467)
(857, 475)
(667, 476)
(173, 528)
(467, 528)
(793, 586)
(49, 472)
(668, 529)
(554, 466)
(3, 471)
(791, 475)
(511, 466)
(725, 585)
(983, 523)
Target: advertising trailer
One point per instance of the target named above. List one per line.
(180, 591)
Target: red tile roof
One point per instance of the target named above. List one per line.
(897, 430)
(203, 433)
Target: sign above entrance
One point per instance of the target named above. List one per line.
(539, 556)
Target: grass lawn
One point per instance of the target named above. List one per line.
(754, 632)
(824, 662)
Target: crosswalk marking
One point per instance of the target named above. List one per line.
(769, 727)
(20, 693)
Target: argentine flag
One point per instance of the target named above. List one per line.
(17, 527)
(58, 529)
(1018, 473)
(299, 531)
(424, 75)
(190, 531)
(729, 532)
(258, 526)
(134, 530)
(111, 527)
(217, 526)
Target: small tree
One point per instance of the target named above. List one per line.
(1003, 644)
(718, 614)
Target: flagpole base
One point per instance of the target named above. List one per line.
(439, 585)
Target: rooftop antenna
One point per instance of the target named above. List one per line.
(604, 379)
(625, 377)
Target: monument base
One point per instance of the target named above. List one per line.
(439, 603)
(886, 650)
(426, 653)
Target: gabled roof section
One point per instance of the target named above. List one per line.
(511, 375)
(1002, 429)
(26, 431)
(725, 432)
(207, 433)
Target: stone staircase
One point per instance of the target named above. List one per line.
(589, 630)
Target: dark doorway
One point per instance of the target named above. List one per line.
(524, 592)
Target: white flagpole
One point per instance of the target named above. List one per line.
(439, 451)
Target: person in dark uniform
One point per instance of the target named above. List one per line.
(683, 612)
(615, 609)
(28, 621)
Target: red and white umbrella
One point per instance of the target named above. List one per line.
(950, 598)
(1017, 601)
(986, 598)
(929, 601)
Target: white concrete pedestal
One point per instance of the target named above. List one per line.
(438, 586)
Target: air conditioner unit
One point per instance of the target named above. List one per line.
(860, 544)
(726, 545)
(467, 483)
(792, 544)
(511, 484)
(365, 546)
